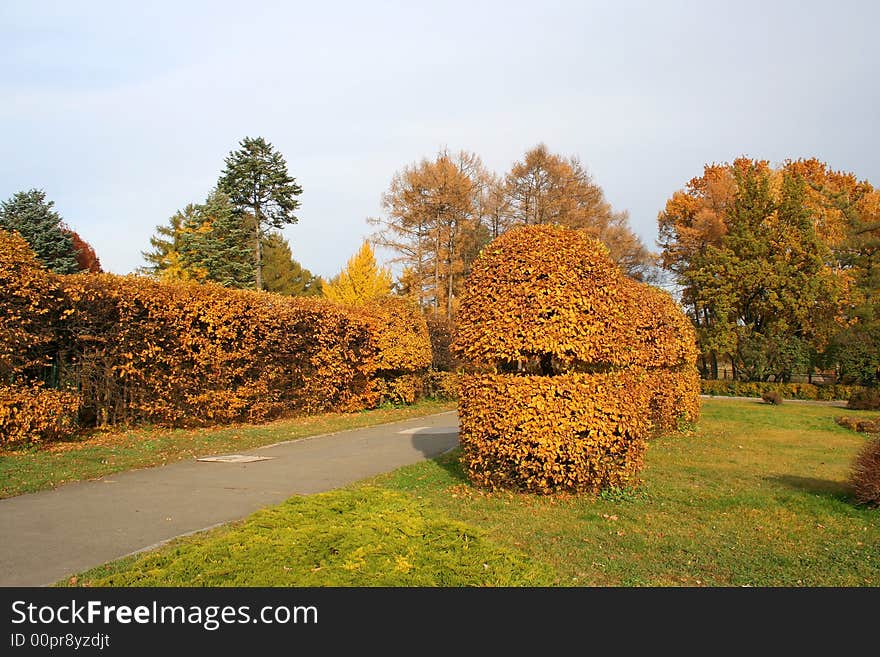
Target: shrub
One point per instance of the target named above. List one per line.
(865, 476)
(556, 330)
(865, 400)
(28, 307)
(772, 397)
(861, 425)
(442, 385)
(575, 432)
(825, 392)
(34, 414)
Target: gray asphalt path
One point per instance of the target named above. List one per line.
(49, 535)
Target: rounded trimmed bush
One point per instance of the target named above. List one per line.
(578, 364)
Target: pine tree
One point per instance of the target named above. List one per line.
(361, 281)
(256, 180)
(284, 275)
(32, 216)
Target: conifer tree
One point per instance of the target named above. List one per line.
(257, 182)
(32, 216)
(284, 275)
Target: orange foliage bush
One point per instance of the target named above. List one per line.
(188, 354)
(547, 300)
(401, 336)
(440, 330)
(33, 414)
(28, 305)
(577, 432)
(139, 350)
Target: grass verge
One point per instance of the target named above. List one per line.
(104, 452)
(755, 496)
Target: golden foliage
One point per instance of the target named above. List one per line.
(574, 432)
(550, 290)
(32, 414)
(617, 358)
(142, 350)
(361, 281)
(28, 303)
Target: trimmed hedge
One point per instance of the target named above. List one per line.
(138, 350)
(33, 414)
(579, 364)
(825, 392)
(577, 432)
(865, 476)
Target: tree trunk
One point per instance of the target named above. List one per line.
(714, 361)
(259, 262)
(258, 251)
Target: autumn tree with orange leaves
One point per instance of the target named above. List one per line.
(775, 265)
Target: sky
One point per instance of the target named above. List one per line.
(124, 112)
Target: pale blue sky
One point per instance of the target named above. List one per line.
(123, 112)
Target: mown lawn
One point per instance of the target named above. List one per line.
(755, 496)
(101, 453)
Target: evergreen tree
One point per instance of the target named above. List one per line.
(215, 243)
(362, 280)
(164, 260)
(256, 180)
(284, 275)
(32, 216)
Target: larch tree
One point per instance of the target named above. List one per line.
(33, 217)
(545, 188)
(257, 182)
(361, 281)
(432, 222)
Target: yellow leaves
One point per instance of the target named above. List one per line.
(616, 357)
(34, 414)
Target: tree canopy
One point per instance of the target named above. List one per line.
(33, 217)
(256, 181)
(361, 281)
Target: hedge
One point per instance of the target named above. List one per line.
(577, 432)
(824, 392)
(577, 364)
(137, 350)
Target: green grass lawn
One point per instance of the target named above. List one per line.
(101, 453)
(755, 496)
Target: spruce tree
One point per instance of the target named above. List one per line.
(32, 216)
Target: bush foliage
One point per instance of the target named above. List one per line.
(33, 414)
(138, 350)
(865, 400)
(825, 392)
(578, 363)
(865, 477)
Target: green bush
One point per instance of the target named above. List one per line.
(809, 391)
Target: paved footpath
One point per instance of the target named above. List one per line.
(49, 535)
